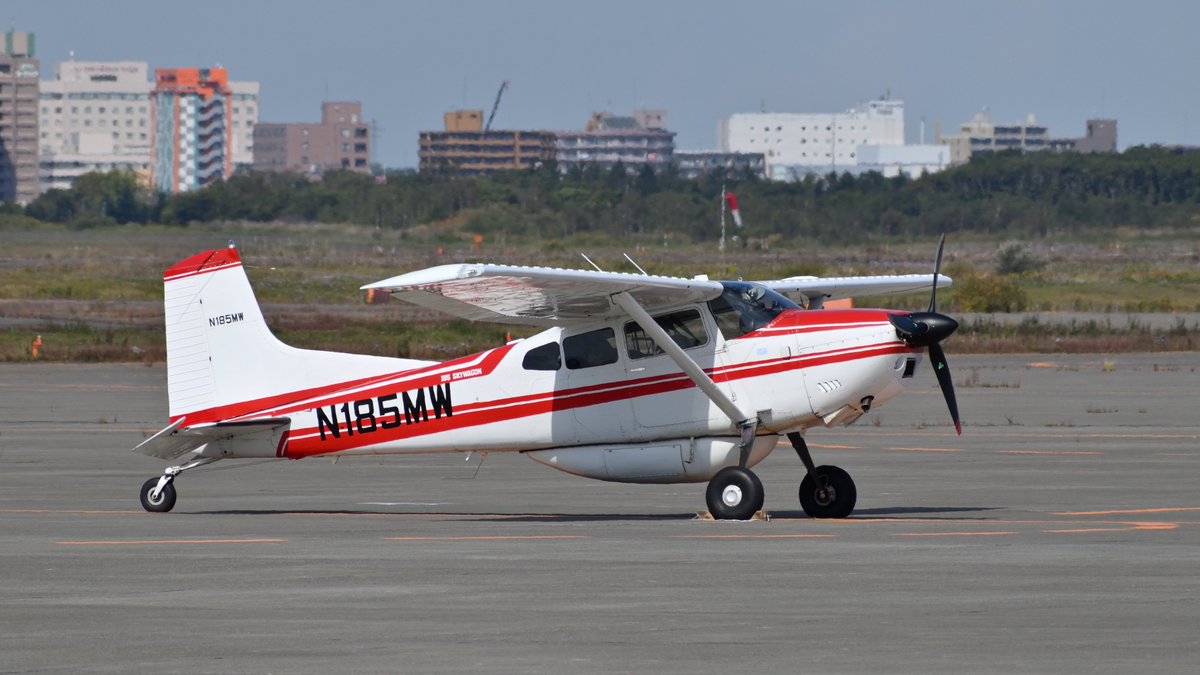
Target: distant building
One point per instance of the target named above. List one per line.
(341, 140)
(244, 119)
(1101, 136)
(640, 140)
(465, 149)
(693, 164)
(982, 137)
(96, 116)
(909, 160)
(796, 144)
(192, 139)
(19, 83)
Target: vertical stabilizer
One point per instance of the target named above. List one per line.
(220, 351)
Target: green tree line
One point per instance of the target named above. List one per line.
(1009, 194)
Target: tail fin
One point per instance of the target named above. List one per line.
(220, 351)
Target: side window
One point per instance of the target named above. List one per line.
(546, 357)
(685, 327)
(594, 348)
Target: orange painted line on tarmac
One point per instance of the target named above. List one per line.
(69, 512)
(924, 450)
(171, 542)
(547, 537)
(1064, 453)
(472, 516)
(954, 534)
(756, 536)
(784, 441)
(1154, 436)
(1179, 509)
(1131, 527)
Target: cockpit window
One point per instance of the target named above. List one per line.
(745, 307)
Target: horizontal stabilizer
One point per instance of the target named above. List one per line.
(176, 440)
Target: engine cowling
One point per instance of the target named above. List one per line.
(678, 460)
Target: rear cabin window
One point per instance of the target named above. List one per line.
(594, 348)
(546, 357)
(685, 327)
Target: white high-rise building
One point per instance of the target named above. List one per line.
(795, 144)
(95, 116)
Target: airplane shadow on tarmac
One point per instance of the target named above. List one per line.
(925, 512)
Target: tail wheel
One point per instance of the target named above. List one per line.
(734, 494)
(165, 501)
(833, 497)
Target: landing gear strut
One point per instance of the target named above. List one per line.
(158, 494)
(827, 491)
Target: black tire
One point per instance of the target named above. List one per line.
(734, 494)
(166, 498)
(837, 501)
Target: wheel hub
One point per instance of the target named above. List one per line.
(731, 495)
(826, 495)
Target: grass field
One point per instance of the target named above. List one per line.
(96, 294)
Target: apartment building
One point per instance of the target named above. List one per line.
(341, 140)
(192, 139)
(463, 148)
(20, 76)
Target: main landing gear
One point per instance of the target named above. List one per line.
(158, 494)
(736, 493)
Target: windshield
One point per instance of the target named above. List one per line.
(744, 307)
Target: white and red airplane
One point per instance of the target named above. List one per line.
(637, 378)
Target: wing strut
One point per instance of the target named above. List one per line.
(748, 424)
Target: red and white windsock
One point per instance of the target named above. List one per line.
(731, 200)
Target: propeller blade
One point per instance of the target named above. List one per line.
(937, 270)
(942, 369)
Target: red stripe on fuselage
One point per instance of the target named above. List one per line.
(306, 442)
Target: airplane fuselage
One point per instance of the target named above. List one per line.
(803, 369)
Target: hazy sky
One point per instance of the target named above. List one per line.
(408, 62)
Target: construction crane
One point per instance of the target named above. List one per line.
(487, 127)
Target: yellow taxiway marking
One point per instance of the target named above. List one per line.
(171, 542)
(545, 537)
(1178, 509)
(924, 450)
(954, 534)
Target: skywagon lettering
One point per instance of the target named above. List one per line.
(368, 415)
(223, 319)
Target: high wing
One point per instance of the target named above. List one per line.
(539, 296)
(814, 291)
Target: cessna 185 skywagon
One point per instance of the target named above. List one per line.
(637, 378)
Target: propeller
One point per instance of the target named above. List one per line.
(927, 329)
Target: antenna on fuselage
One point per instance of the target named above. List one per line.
(589, 260)
(631, 262)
